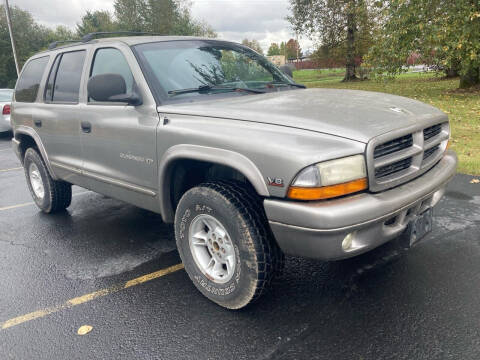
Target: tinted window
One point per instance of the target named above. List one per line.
(51, 79)
(69, 73)
(29, 82)
(112, 61)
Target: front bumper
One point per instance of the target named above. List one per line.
(317, 229)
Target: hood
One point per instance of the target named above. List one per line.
(352, 114)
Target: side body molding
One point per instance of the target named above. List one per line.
(26, 130)
(208, 154)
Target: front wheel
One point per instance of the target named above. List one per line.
(49, 195)
(225, 244)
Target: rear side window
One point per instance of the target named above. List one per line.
(29, 82)
(51, 80)
(63, 83)
(112, 61)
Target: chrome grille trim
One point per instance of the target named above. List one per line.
(429, 141)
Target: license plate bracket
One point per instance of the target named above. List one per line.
(419, 227)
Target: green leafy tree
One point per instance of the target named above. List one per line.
(253, 44)
(96, 21)
(30, 37)
(274, 49)
(444, 32)
(166, 17)
(131, 14)
(61, 33)
(344, 25)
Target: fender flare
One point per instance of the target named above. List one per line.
(25, 130)
(228, 158)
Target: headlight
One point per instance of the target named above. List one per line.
(330, 179)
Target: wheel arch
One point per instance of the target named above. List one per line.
(27, 137)
(238, 163)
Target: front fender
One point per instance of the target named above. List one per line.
(208, 154)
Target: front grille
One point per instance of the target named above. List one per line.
(432, 131)
(430, 152)
(393, 146)
(395, 158)
(393, 168)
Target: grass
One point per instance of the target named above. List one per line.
(462, 107)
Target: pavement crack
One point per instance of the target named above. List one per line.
(279, 349)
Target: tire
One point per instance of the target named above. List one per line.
(57, 195)
(257, 257)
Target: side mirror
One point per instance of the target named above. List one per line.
(287, 70)
(111, 88)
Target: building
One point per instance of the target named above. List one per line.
(278, 60)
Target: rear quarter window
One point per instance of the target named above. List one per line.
(29, 81)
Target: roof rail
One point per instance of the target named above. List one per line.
(54, 44)
(94, 35)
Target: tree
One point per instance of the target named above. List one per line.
(138, 15)
(130, 14)
(166, 17)
(293, 49)
(30, 37)
(274, 49)
(253, 44)
(344, 25)
(100, 20)
(444, 32)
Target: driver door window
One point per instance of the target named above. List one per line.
(112, 61)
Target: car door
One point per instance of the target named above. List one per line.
(57, 118)
(119, 140)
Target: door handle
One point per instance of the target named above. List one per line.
(37, 122)
(86, 126)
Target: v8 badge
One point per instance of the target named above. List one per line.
(275, 181)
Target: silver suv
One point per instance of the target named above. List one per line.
(247, 164)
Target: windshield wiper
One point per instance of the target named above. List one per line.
(287, 84)
(208, 88)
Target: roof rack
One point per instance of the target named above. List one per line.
(94, 35)
(54, 44)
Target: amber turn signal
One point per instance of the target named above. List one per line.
(327, 192)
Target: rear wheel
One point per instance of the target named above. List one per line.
(225, 243)
(48, 194)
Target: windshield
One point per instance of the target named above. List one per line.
(6, 95)
(214, 65)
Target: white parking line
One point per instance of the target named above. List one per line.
(6, 149)
(32, 203)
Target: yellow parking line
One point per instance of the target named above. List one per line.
(32, 203)
(11, 169)
(89, 297)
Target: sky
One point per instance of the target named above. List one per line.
(262, 20)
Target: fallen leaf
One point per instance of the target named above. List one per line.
(475, 181)
(84, 330)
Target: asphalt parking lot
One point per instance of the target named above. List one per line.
(114, 267)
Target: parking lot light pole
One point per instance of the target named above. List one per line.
(14, 49)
